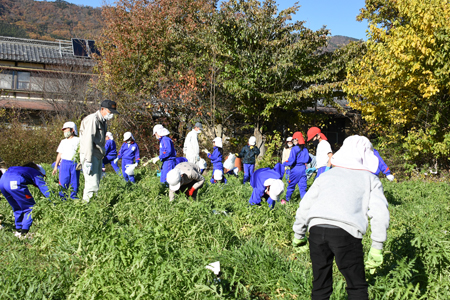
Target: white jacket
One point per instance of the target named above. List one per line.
(191, 148)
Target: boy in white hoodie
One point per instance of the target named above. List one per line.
(335, 211)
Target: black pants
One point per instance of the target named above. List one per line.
(328, 243)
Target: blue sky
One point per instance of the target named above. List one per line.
(338, 15)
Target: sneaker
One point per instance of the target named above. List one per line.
(283, 202)
(17, 234)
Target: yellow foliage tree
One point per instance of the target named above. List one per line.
(401, 85)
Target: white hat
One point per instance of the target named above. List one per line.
(218, 142)
(218, 175)
(174, 179)
(289, 139)
(356, 153)
(252, 141)
(41, 169)
(127, 135)
(202, 164)
(162, 131)
(109, 134)
(71, 125)
(276, 188)
(156, 127)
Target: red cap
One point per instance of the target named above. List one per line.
(299, 137)
(312, 132)
(323, 137)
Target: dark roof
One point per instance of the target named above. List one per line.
(44, 52)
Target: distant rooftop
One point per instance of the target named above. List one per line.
(37, 51)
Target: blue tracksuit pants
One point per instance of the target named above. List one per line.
(167, 166)
(287, 172)
(256, 200)
(107, 160)
(69, 177)
(21, 202)
(297, 176)
(127, 177)
(248, 171)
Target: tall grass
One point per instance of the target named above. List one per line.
(130, 242)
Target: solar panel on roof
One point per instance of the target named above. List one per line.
(80, 48)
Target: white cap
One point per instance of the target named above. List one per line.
(127, 135)
(289, 139)
(276, 188)
(156, 127)
(252, 141)
(109, 134)
(218, 142)
(71, 125)
(202, 164)
(162, 131)
(174, 179)
(41, 169)
(218, 175)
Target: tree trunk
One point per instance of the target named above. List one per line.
(260, 141)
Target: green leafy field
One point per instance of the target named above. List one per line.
(132, 243)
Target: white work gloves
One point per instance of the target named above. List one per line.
(155, 159)
(87, 166)
(390, 177)
(206, 151)
(116, 160)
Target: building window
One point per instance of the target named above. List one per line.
(6, 79)
(23, 81)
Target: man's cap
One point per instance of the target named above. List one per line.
(252, 141)
(199, 125)
(111, 105)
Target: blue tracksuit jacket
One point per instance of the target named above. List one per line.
(167, 155)
(13, 185)
(216, 159)
(129, 153)
(257, 182)
(296, 161)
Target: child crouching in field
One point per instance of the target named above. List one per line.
(335, 211)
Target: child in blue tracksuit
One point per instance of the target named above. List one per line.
(129, 153)
(217, 155)
(297, 161)
(266, 183)
(167, 153)
(13, 185)
(248, 154)
(69, 176)
(110, 153)
(383, 167)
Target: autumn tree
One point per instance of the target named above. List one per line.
(275, 68)
(401, 85)
(152, 60)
